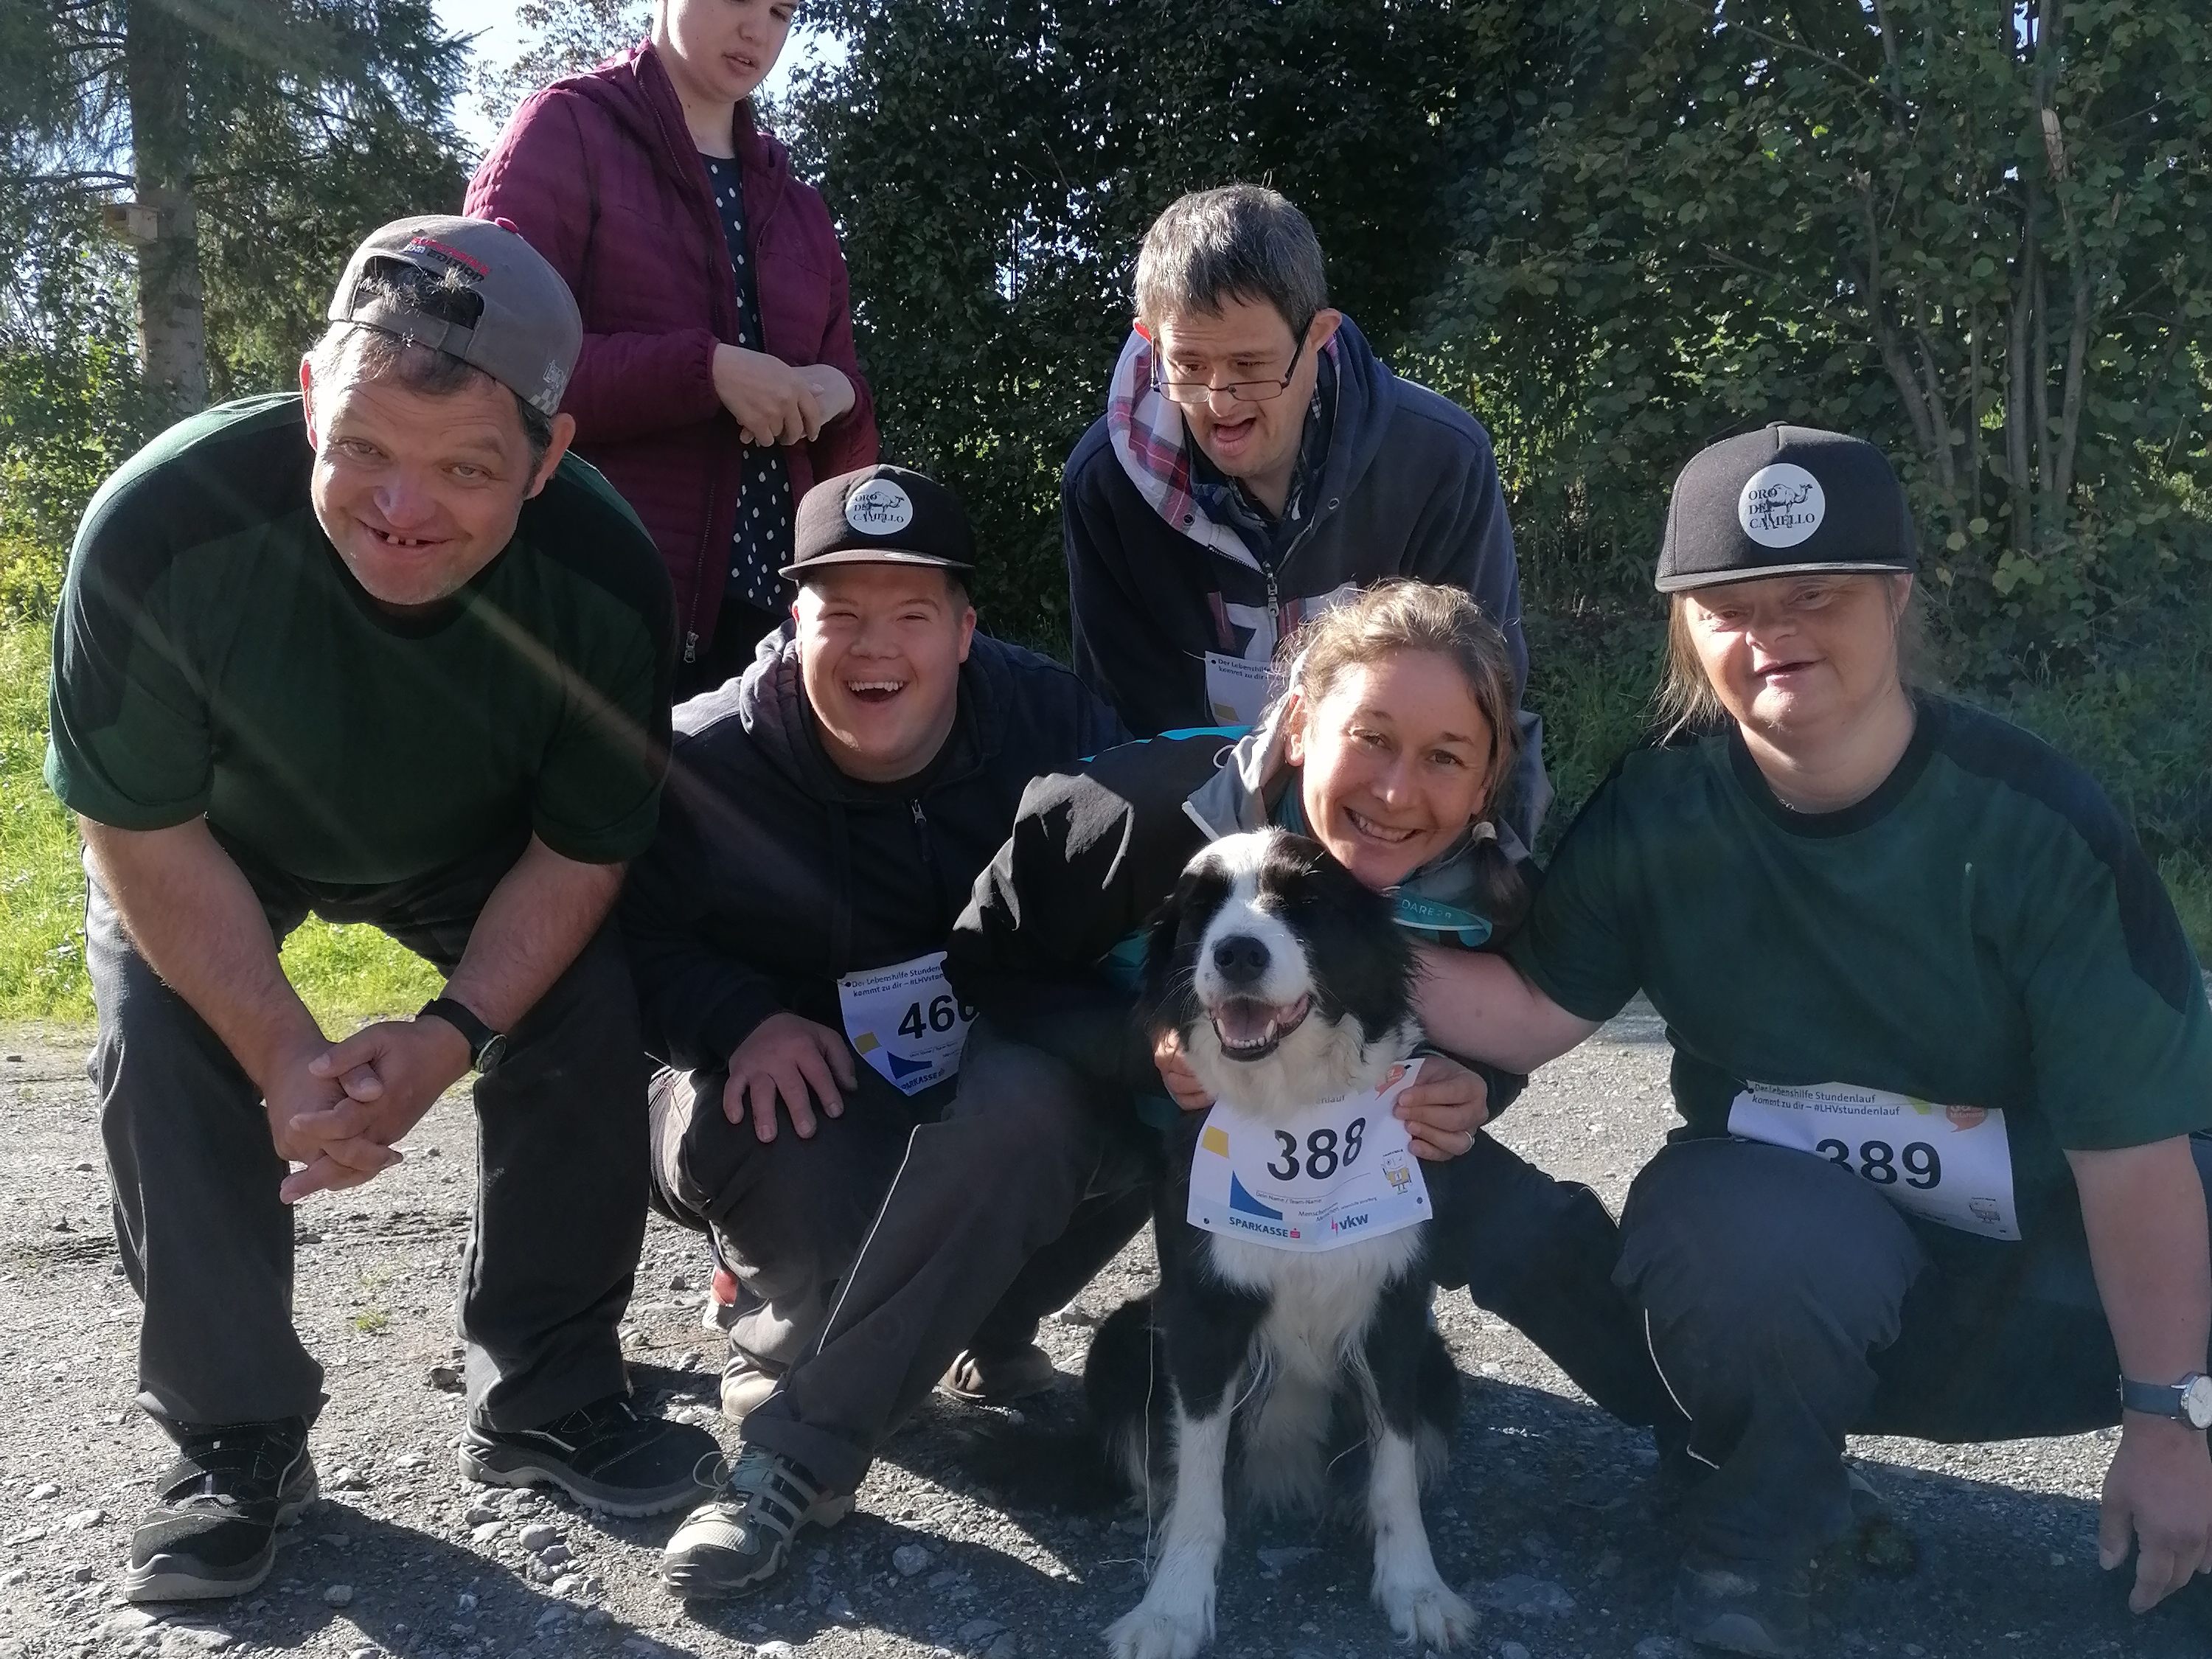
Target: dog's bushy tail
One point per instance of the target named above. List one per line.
(1090, 1466)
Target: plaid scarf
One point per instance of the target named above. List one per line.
(1153, 446)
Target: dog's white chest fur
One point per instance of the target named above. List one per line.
(1318, 1304)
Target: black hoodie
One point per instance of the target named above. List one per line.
(774, 874)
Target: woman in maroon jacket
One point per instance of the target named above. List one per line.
(718, 379)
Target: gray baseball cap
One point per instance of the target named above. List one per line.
(529, 331)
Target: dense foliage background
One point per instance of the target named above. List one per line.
(1974, 230)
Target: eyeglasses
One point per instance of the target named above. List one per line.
(1195, 392)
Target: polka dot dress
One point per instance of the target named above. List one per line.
(760, 543)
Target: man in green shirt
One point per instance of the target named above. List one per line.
(382, 654)
(1942, 1051)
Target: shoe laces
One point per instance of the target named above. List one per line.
(757, 1486)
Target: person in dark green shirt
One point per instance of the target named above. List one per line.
(385, 654)
(1941, 1050)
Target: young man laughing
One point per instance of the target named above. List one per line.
(828, 814)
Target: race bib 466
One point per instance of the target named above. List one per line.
(906, 1022)
(1948, 1163)
(1330, 1175)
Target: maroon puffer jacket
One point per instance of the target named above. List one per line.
(600, 174)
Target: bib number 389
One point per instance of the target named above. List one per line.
(1948, 1163)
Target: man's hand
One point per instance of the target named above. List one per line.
(773, 402)
(313, 1122)
(391, 1073)
(793, 1057)
(1443, 1108)
(1182, 1082)
(2159, 1492)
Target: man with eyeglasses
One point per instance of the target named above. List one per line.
(1256, 464)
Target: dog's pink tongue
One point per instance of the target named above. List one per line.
(1243, 1022)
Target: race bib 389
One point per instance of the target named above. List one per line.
(1948, 1163)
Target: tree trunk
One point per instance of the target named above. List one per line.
(172, 311)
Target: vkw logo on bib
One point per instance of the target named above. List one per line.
(878, 507)
(1782, 505)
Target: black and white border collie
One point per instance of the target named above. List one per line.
(1290, 984)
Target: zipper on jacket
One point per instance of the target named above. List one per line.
(1275, 605)
(929, 862)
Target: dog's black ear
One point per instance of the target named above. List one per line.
(1370, 959)
(1163, 985)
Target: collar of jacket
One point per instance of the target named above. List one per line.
(634, 88)
(772, 704)
(1150, 441)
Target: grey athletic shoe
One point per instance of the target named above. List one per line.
(745, 1384)
(994, 1379)
(214, 1532)
(741, 1539)
(1756, 1607)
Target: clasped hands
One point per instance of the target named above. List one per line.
(338, 1110)
(774, 402)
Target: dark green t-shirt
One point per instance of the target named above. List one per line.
(214, 656)
(1981, 930)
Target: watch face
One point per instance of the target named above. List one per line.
(495, 1050)
(2197, 1402)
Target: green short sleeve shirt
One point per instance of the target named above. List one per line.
(213, 656)
(1983, 931)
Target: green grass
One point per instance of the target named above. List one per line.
(346, 975)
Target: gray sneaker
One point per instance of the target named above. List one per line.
(741, 1539)
(745, 1383)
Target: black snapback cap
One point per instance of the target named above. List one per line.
(1784, 502)
(880, 515)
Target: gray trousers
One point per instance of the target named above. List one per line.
(1788, 1304)
(962, 1218)
(207, 1244)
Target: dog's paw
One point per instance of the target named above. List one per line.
(1427, 1614)
(1148, 1631)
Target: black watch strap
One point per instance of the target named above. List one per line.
(2189, 1401)
(479, 1036)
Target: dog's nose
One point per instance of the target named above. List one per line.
(1240, 959)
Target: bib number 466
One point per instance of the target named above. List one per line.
(1880, 1162)
(942, 1013)
(1323, 1158)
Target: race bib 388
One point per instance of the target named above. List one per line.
(1328, 1177)
(1948, 1163)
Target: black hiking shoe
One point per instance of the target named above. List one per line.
(1759, 1607)
(741, 1539)
(214, 1532)
(604, 1456)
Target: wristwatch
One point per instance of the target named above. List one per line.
(2189, 1399)
(486, 1046)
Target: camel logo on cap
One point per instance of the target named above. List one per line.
(1781, 506)
(878, 507)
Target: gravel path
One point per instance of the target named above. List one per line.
(1542, 1519)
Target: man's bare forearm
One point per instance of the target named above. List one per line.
(540, 916)
(193, 915)
(2143, 1208)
